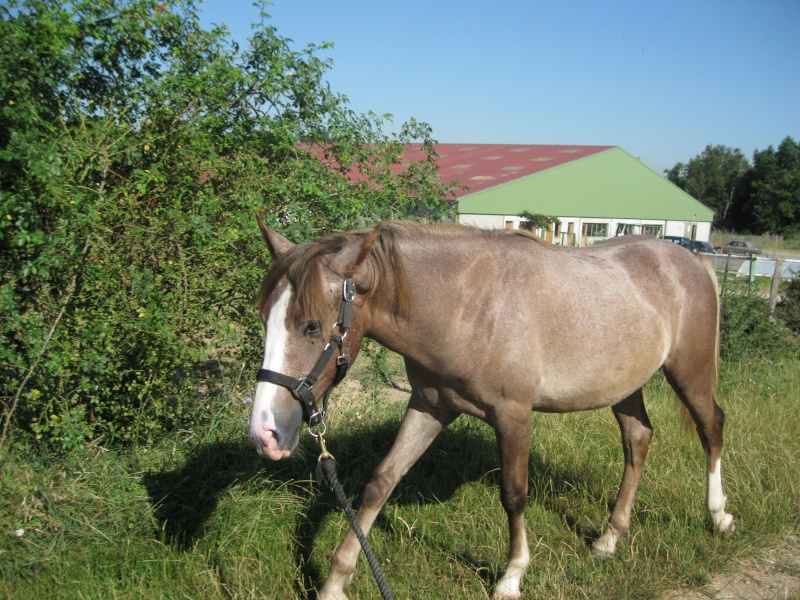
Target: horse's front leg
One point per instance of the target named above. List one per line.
(418, 429)
(514, 443)
(636, 434)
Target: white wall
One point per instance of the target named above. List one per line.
(483, 221)
(684, 229)
(674, 228)
(704, 232)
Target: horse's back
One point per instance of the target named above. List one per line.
(595, 323)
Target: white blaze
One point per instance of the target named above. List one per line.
(275, 344)
(262, 418)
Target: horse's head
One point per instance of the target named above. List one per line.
(301, 299)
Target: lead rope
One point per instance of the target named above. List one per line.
(326, 476)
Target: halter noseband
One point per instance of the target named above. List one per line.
(303, 388)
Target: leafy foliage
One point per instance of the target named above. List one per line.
(135, 149)
(714, 177)
(774, 184)
(762, 198)
(748, 331)
(534, 221)
(788, 309)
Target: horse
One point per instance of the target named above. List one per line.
(474, 314)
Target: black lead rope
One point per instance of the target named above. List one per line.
(303, 390)
(326, 477)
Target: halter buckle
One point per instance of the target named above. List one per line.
(302, 389)
(348, 290)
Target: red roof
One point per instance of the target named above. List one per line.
(481, 166)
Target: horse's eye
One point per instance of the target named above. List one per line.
(312, 328)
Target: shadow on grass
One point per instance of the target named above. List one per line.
(185, 498)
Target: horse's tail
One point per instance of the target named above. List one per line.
(686, 416)
(709, 266)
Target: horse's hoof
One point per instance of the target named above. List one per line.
(332, 597)
(325, 595)
(725, 525)
(506, 590)
(504, 596)
(601, 553)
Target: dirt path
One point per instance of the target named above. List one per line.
(772, 575)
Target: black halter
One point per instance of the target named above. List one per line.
(303, 389)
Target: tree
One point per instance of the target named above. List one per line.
(715, 178)
(135, 149)
(533, 221)
(774, 189)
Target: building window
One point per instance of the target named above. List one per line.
(652, 230)
(595, 229)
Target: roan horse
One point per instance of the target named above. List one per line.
(475, 314)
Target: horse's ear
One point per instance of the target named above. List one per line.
(352, 261)
(277, 244)
(366, 247)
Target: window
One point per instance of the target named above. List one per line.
(595, 229)
(652, 230)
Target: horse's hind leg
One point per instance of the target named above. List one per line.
(636, 433)
(709, 419)
(711, 438)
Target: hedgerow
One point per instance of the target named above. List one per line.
(749, 330)
(135, 149)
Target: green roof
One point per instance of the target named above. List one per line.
(610, 184)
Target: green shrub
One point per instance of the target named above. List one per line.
(788, 309)
(135, 150)
(748, 329)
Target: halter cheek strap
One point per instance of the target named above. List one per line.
(303, 388)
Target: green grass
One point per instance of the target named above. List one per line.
(199, 515)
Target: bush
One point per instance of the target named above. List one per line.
(748, 329)
(135, 150)
(788, 309)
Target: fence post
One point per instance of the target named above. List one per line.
(752, 279)
(725, 273)
(776, 283)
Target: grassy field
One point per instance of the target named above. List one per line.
(199, 515)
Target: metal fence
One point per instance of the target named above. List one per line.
(741, 270)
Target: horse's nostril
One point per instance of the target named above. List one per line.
(277, 435)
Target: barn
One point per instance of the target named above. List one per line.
(596, 192)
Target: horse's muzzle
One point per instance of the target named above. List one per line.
(268, 443)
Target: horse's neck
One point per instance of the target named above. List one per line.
(438, 274)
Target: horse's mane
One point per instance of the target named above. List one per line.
(301, 265)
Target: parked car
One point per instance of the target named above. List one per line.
(740, 247)
(704, 247)
(684, 242)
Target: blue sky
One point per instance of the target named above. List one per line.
(660, 79)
